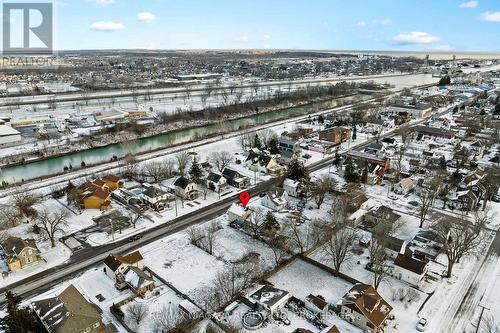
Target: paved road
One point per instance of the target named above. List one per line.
(477, 289)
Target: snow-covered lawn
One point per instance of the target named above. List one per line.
(405, 310)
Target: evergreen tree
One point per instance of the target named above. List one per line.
(195, 171)
(351, 173)
(18, 319)
(256, 142)
(273, 145)
(297, 171)
(445, 80)
(271, 225)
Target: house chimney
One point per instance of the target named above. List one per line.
(403, 248)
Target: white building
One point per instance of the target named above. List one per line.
(291, 187)
(276, 199)
(9, 135)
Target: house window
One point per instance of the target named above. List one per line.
(96, 325)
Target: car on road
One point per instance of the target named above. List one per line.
(413, 203)
(393, 197)
(421, 325)
(135, 238)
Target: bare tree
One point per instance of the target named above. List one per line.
(302, 236)
(255, 222)
(491, 182)
(182, 161)
(129, 168)
(24, 201)
(400, 153)
(167, 318)
(134, 216)
(51, 223)
(8, 216)
(380, 271)
(460, 236)
(427, 199)
(194, 235)
(155, 170)
(137, 311)
(209, 241)
(278, 246)
(338, 245)
(320, 187)
(221, 159)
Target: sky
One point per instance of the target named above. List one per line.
(413, 25)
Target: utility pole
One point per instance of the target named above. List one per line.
(480, 317)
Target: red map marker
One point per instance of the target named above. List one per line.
(244, 198)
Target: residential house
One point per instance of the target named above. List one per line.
(95, 195)
(235, 179)
(409, 269)
(275, 199)
(330, 329)
(436, 134)
(20, 253)
(394, 246)
(292, 187)
(355, 198)
(69, 312)
(463, 200)
(380, 214)
(156, 198)
(216, 182)
(117, 264)
(316, 304)
(477, 148)
(137, 280)
(112, 182)
(288, 148)
(263, 163)
(364, 307)
(376, 149)
(184, 188)
(335, 134)
(371, 166)
(237, 214)
(404, 186)
(268, 298)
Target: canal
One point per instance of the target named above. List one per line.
(98, 155)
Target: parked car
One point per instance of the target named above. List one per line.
(135, 238)
(421, 325)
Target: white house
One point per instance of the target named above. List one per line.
(117, 264)
(291, 187)
(276, 199)
(155, 198)
(237, 214)
(184, 188)
(216, 182)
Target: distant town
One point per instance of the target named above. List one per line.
(373, 181)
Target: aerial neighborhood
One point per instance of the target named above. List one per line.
(373, 204)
